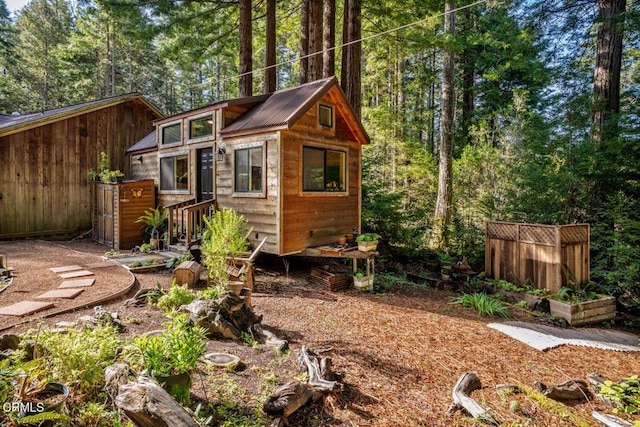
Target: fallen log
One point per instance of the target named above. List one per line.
(268, 338)
(147, 404)
(295, 394)
(467, 383)
(610, 420)
(569, 390)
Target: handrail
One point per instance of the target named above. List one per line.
(185, 220)
(177, 219)
(195, 223)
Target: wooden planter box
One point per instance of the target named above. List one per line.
(368, 246)
(364, 283)
(584, 313)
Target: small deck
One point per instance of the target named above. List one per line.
(350, 252)
(186, 223)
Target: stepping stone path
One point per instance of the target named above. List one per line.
(69, 289)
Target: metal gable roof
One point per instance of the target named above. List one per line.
(12, 124)
(148, 143)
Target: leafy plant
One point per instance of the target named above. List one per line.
(224, 239)
(624, 395)
(178, 295)
(577, 294)
(155, 220)
(445, 258)
(145, 248)
(483, 303)
(368, 237)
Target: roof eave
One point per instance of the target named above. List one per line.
(253, 131)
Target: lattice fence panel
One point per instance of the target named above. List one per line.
(575, 234)
(503, 231)
(536, 234)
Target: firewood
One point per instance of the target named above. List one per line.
(467, 383)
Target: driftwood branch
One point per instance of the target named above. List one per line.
(467, 383)
(610, 420)
(569, 390)
(295, 394)
(147, 404)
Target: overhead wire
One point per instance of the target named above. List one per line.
(360, 40)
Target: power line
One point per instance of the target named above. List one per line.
(360, 40)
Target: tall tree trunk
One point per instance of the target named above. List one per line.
(329, 39)
(270, 53)
(304, 41)
(468, 74)
(351, 55)
(442, 217)
(315, 39)
(246, 49)
(606, 82)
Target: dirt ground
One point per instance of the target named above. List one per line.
(401, 351)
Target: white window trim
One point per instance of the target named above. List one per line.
(174, 154)
(188, 120)
(311, 144)
(174, 144)
(250, 194)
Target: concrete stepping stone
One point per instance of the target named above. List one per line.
(65, 269)
(25, 307)
(61, 293)
(79, 283)
(73, 274)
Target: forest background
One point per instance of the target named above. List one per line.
(536, 135)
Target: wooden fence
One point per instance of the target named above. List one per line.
(546, 256)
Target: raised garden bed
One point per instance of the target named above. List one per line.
(585, 313)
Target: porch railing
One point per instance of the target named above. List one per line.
(185, 221)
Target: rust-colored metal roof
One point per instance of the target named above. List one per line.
(148, 143)
(282, 108)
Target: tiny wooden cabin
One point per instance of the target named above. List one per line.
(45, 158)
(289, 162)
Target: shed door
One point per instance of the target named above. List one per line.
(104, 215)
(205, 174)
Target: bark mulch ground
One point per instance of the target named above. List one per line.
(401, 351)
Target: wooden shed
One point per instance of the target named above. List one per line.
(547, 256)
(45, 158)
(289, 162)
(117, 208)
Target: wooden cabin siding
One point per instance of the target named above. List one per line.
(44, 187)
(260, 212)
(146, 167)
(310, 219)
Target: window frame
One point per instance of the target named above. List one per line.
(325, 149)
(332, 117)
(209, 116)
(175, 190)
(161, 143)
(262, 193)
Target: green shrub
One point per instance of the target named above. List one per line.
(624, 395)
(178, 295)
(483, 303)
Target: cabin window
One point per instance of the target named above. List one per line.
(323, 170)
(325, 115)
(201, 127)
(171, 134)
(174, 173)
(249, 168)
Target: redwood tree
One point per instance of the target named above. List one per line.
(246, 50)
(351, 54)
(270, 50)
(329, 39)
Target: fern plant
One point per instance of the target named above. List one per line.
(483, 303)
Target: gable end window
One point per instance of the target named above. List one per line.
(325, 116)
(323, 170)
(171, 134)
(200, 127)
(174, 173)
(249, 170)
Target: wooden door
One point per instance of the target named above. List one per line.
(205, 174)
(104, 214)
